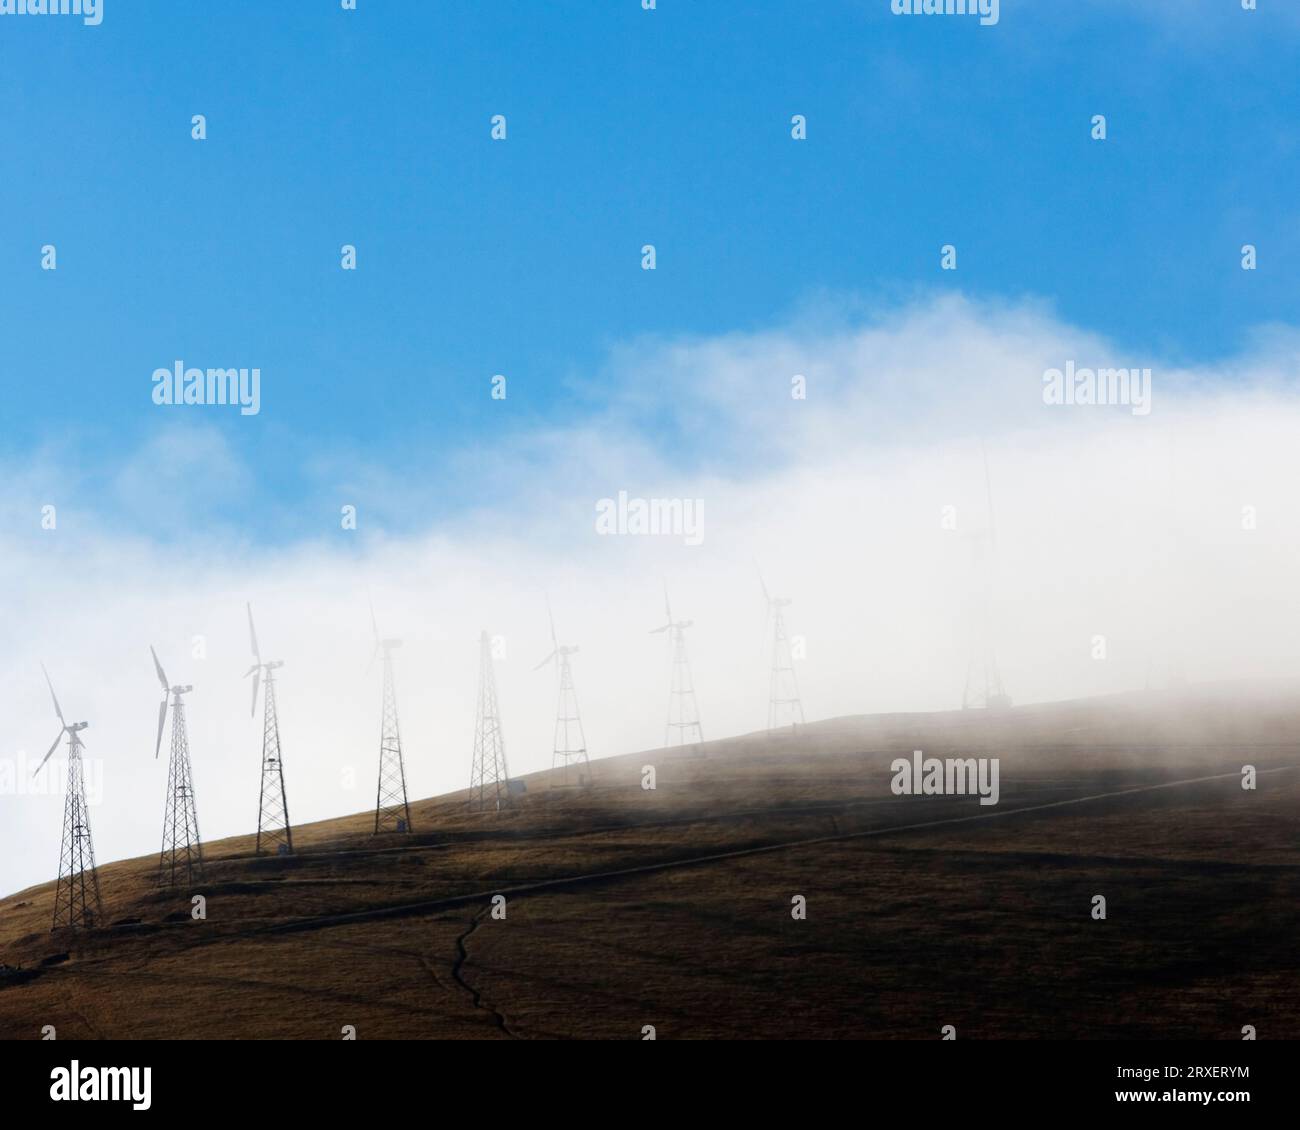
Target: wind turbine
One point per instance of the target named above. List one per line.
(783, 701)
(570, 746)
(392, 813)
(983, 686)
(77, 903)
(683, 709)
(182, 850)
(273, 807)
(489, 779)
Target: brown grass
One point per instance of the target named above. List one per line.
(983, 924)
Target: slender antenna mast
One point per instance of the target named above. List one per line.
(274, 833)
(181, 859)
(683, 726)
(569, 752)
(392, 813)
(489, 780)
(77, 902)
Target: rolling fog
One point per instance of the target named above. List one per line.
(1169, 537)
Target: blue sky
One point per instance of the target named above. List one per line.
(625, 127)
(522, 257)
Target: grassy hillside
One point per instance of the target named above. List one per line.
(672, 907)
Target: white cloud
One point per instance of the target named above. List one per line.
(1109, 524)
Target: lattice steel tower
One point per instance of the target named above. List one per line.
(569, 752)
(77, 903)
(489, 780)
(784, 706)
(273, 830)
(683, 709)
(392, 813)
(181, 859)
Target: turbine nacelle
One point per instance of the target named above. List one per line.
(558, 653)
(175, 690)
(72, 729)
(773, 602)
(258, 664)
(558, 650)
(675, 625)
(386, 646)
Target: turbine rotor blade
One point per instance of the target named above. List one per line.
(379, 644)
(656, 631)
(53, 747)
(545, 661)
(162, 675)
(252, 635)
(162, 717)
(57, 709)
(667, 607)
(555, 643)
(257, 678)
